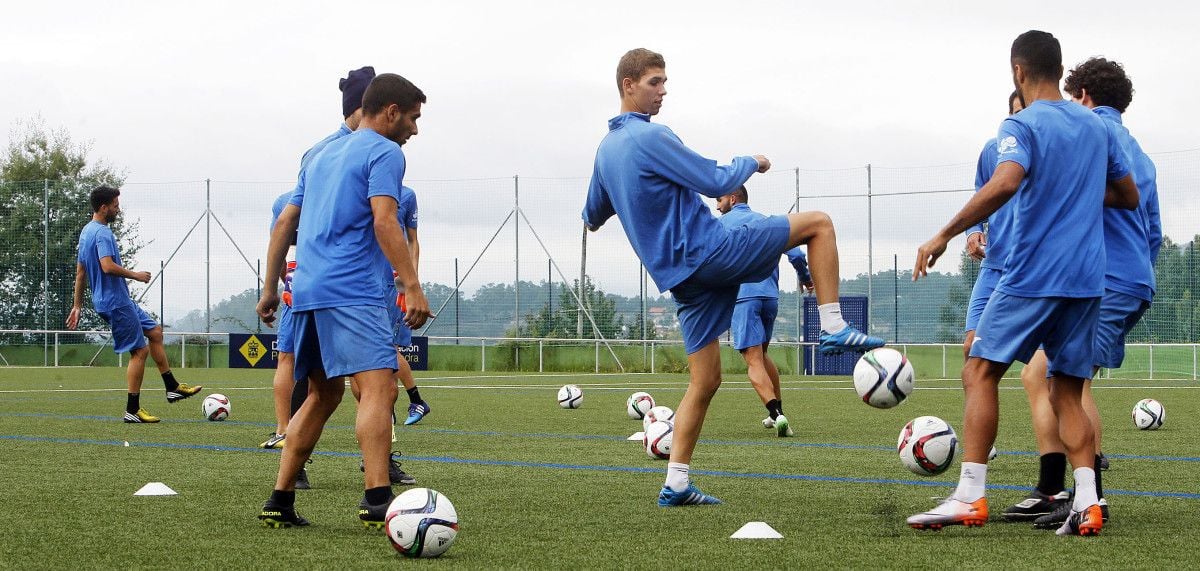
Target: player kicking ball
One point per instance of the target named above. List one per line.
(754, 315)
(654, 185)
(133, 331)
(1063, 167)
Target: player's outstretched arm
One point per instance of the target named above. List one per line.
(281, 238)
(668, 157)
(999, 190)
(597, 208)
(390, 236)
(77, 303)
(1122, 193)
(112, 268)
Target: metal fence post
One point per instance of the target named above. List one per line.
(870, 251)
(183, 351)
(597, 356)
(56, 349)
(541, 360)
(207, 270)
(482, 355)
(46, 270)
(1152, 362)
(652, 351)
(517, 269)
(944, 374)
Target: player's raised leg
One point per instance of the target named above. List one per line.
(815, 230)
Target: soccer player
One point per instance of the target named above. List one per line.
(1131, 242)
(407, 214)
(754, 314)
(289, 394)
(991, 248)
(99, 265)
(1063, 168)
(345, 207)
(646, 177)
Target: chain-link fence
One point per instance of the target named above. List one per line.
(504, 257)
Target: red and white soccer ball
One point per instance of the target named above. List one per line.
(657, 439)
(927, 446)
(656, 414)
(638, 405)
(883, 377)
(216, 407)
(421, 523)
(570, 396)
(1149, 414)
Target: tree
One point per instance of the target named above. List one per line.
(45, 180)
(559, 321)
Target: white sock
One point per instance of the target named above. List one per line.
(1085, 489)
(831, 317)
(677, 476)
(972, 482)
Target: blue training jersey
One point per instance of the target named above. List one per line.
(653, 184)
(336, 246)
(406, 211)
(999, 224)
(1057, 241)
(96, 242)
(282, 199)
(1132, 237)
(740, 215)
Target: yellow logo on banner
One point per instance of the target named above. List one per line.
(253, 350)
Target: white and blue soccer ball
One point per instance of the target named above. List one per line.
(638, 405)
(657, 439)
(1149, 414)
(216, 407)
(570, 396)
(656, 414)
(927, 446)
(421, 523)
(883, 377)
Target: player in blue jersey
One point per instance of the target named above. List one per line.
(98, 265)
(646, 177)
(754, 315)
(1131, 242)
(347, 239)
(988, 245)
(1060, 163)
(407, 214)
(289, 393)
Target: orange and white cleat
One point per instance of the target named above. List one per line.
(1087, 522)
(952, 512)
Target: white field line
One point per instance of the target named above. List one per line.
(610, 387)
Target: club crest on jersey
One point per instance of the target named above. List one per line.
(1007, 145)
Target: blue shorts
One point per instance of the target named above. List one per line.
(1012, 327)
(284, 339)
(753, 321)
(1119, 312)
(343, 341)
(985, 284)
(129, 324)
(401, 333)
(704, 301)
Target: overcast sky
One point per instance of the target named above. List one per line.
(236, 91)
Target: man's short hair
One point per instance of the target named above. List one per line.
(102, 195)
(1104, 80)
(1014, 96)
(635, 63)
(741, 195)
(390, 89)
(1039, 54)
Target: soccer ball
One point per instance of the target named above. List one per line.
(656, 414)
(883, 377)
(638, 404)
(657, 439)
(927, 446)
(1149, 414)
(421, 523)
(570, 396)
(216, 407)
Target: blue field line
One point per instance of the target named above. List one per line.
(583, 467)
(602, 437)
